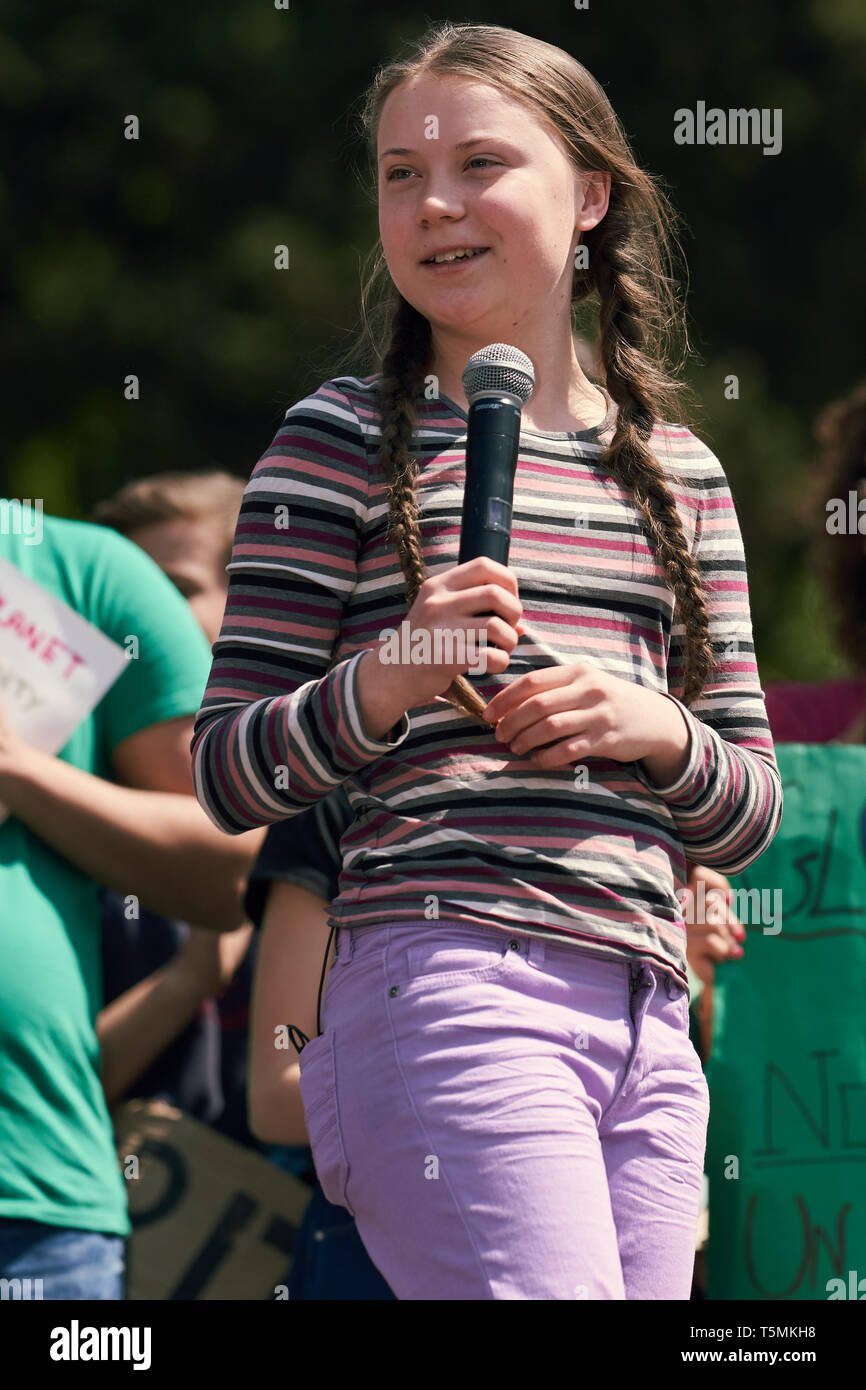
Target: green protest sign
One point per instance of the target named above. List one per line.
(786, 1147)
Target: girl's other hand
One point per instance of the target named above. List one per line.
(583, 711)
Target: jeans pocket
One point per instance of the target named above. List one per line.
(449, 957)
(318, 1081)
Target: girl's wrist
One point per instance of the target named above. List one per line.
(669, 757)
(383, 694)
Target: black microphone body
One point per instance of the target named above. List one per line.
(498, 381)
(492, 446)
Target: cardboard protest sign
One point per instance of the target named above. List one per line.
(55, 666)
(210, 1219)
(786, 1148)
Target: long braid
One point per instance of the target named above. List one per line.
(403, 370)
(635, 382)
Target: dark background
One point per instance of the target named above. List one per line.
(156, 256)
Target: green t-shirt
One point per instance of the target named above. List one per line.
(57, 1158)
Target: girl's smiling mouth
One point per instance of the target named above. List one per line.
(441, 266)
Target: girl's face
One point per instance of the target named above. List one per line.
(513, 191)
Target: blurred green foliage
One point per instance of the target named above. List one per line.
(156, 256)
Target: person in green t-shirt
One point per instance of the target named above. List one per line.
(114, 807)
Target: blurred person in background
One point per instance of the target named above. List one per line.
(174, 1024)
(113, 807)
(162, 1033)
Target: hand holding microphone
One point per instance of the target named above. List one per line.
(471, 607)
(479, 595)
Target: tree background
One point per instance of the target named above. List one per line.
(156, 256)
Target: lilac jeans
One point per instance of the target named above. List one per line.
(506, 1116)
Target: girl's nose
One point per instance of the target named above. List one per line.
(438, 199)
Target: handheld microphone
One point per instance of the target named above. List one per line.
(498, 382)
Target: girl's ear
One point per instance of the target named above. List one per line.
(595, 199)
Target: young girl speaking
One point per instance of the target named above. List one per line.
(504, 1094)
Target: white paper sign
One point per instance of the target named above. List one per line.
(55, 666)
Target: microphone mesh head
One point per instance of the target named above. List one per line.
(499, 367)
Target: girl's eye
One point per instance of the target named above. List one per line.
(389, 177)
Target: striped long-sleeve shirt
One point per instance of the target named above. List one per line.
(449, 824)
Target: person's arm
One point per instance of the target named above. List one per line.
(291, 953)
(727, 802)
(279, 726)
(136, 1027)
(148, 838)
